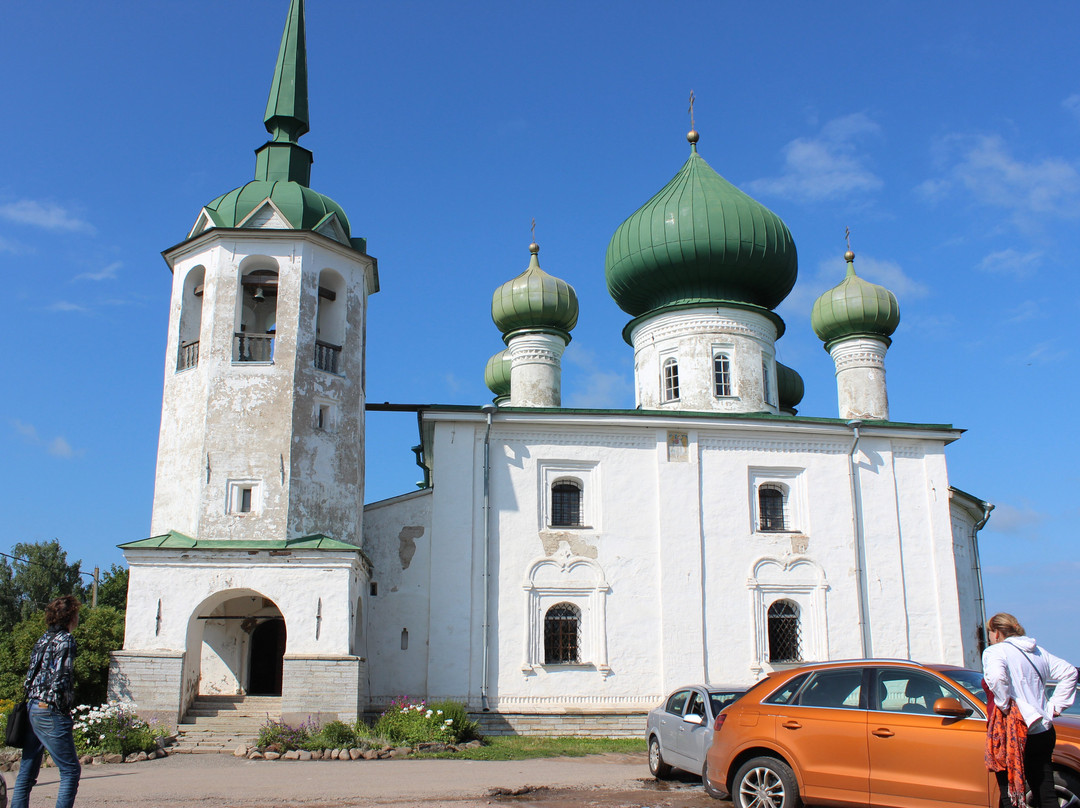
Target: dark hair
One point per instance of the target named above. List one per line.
(62, 611)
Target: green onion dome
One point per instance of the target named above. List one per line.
(497, 373)
(855, 307)
(535, 300)
(700, 240)
(301, 206)
(789, 387)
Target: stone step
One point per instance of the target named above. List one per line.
(218, 724)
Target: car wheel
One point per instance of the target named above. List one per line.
(659, 769)
(710, 789)
(1067, 788)
(765, 782)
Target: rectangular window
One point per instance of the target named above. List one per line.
(245, 500)
(671, 380)
(243, 496)
(766, 392)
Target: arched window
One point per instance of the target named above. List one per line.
(721, 375)
(254, 340)
(566, 503)
(562, 635)
(330, 322)
(671, 380)
(766, 390)
(772, 507)
(784, 636)
(187, 355)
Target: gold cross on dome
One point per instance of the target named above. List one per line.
(847, 236)
(691, 109)
(534, 229)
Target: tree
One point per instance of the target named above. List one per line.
(112, 590)
(100, 632)
(28, 584)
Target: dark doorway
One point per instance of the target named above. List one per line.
(267, 655)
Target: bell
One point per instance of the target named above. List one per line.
(259, 294)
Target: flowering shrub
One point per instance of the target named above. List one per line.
(408, 723)
(284, 737)
(5, 707)
(113, 728)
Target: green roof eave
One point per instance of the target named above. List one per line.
(709, 303)
(174, 540)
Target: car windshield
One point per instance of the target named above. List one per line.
(971, 680)
(719, 699)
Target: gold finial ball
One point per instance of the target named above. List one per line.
(849, 256)
(692, 136)
(534, 248)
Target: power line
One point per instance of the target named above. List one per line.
(43, 566)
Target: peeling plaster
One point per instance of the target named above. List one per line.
(407, 543)
(577, 544)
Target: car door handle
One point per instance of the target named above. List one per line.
(882, 732)
(791, 725)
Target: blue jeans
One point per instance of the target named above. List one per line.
(52, 731)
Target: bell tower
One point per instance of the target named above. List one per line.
(258, 496)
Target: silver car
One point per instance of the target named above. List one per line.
(680, 730)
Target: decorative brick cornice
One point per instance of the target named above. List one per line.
(785, 446)
(705, 323)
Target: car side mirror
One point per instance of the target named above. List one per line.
(694, 718)
(951, 707)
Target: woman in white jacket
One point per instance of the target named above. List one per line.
(1016, 671)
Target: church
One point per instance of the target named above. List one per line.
(560, 570)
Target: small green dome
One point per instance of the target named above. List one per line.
(789, 387)
(497, 373)
(534, 300)
(700, 239)
(854, 307)
(303, 207)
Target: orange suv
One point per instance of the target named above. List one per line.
(866, 732)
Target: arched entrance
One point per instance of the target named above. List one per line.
(267, 655)
(236, 642)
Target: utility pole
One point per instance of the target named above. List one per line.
(93, 592)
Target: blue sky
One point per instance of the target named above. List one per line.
(946, 136)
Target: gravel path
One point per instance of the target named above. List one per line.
(221, 781)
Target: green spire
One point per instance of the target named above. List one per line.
(286, 116)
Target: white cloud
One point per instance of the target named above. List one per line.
(890, 275)
(828, 165)
(1046, 353)
(107, 273)
(47, 215)
(1026, 311)
(1012, 262)
(57, 447)
(1072, 105)
(983, 167)
(603, 388)
(64, 305)
(1014, 521)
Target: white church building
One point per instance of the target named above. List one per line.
(709, 534)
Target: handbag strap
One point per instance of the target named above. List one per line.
(33, 676)
(1031, 662)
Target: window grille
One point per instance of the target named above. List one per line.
(562, 635)
(785, 640)
(722, 375)
(772, 508)
(671, 380)
(566, 503)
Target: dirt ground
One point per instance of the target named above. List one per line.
(200, 781)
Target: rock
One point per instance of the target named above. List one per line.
(256, 755)
(369, 754)
(317, 754)
(272, 755)
(141, 756)
(131, 758)
(152, 755)
(98, 760)
(86, 760)
(383, 754)
(473, 745)
(354, 754)
(333, 754)
(274, 748)
(304, 755)
(292, 754)
(432, 746)
(240, 751)
(114, 759)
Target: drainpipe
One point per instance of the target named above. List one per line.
(987, 507)
(857, 534)
(488, 410)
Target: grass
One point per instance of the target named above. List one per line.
(521, 747)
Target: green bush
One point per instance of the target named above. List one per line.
(113, 729)
(410, 724)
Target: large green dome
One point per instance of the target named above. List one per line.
(854, 307)
(700, 240)
(534, 300)
(303, 207)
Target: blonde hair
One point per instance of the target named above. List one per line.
(1005, 624)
